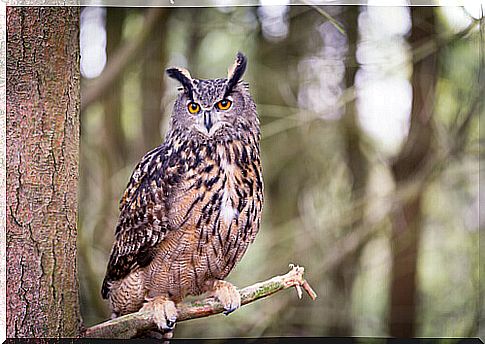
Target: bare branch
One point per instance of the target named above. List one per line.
(129, 326)
(332, 20)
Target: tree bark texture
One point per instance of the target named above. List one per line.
(416, 151)
(42, 171)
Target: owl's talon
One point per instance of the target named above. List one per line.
(164, 312)
(227, 294)
(229, 311)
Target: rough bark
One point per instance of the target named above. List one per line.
(42, 171)
(412, 159)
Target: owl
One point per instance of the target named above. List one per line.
(192, 205)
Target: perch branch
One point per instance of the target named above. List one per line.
(128, 326)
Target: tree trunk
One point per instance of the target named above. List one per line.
(152, 74)
(42, 171)
(344, 274)
(276, 63)
(115, 143)
(407, 217)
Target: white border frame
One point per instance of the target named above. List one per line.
(138, 3)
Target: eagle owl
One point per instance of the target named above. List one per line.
(192, 205)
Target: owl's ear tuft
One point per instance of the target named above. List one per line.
(183, 76)
(236, 72)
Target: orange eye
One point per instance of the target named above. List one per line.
(224, 104)
(193, 107)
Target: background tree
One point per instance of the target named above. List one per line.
(345, 272)
(410, 162)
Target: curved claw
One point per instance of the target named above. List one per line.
(230, 310)
(170, 324)
(227, 294)
(164, 312)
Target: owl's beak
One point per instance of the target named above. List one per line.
(208, 120)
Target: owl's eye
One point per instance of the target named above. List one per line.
(224, 104)
(193, 107)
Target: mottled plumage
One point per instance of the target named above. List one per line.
(193, 204)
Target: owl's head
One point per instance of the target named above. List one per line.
(214, 108)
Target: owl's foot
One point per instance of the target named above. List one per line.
(164, 313)
(226, 293)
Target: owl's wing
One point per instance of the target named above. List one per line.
(142, 223)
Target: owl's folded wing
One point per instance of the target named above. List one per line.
(142, 223)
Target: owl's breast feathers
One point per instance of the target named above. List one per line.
(214, 189)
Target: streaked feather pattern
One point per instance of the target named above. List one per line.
(193, 204)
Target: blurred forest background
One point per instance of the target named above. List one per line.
(370, 150)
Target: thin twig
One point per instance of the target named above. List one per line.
(335, 23)
(129, 326)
